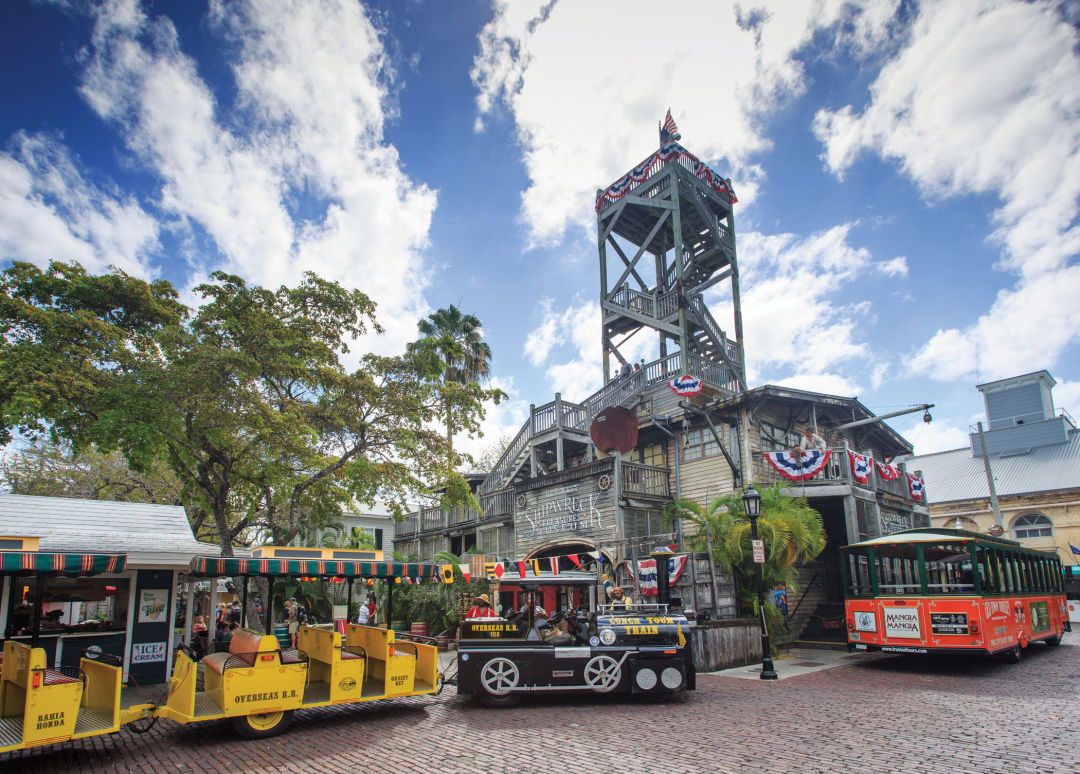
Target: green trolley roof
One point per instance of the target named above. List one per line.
(64, 563)
(218, 566)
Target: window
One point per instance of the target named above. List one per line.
(949, 569)
(1032, 525)
(858, 574)
(774, 438)
(699, 443)
(897, 570)
(70, 605)
(497, 542)
(653, 455)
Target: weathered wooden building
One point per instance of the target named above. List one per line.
(666, 235)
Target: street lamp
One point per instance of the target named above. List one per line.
(752, 503)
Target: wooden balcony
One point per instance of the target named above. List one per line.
(836, 473)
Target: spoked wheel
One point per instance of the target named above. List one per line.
(498, 677)
(602, 673)
(262, 725)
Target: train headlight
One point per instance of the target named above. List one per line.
(646, 679)
(671, 678)
(607, 636)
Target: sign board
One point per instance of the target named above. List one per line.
(153, 605)
(902, 622)
(865, 621)
(147, 652)
(759, 551)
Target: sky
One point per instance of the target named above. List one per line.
(908, 173)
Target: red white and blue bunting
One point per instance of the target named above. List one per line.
(646, 574)
(685, 385)
(649, 166)
(915, 486)
(861, 465)
(887, 471)
(796, 465)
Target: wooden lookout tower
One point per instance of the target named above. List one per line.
(666, 234)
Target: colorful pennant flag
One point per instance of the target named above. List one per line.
(446, 571)
(521, 568)
(465, 572)
(554, 565)
(574, 558)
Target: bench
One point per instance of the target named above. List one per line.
(244, 647)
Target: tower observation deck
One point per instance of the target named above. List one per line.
(666, 234)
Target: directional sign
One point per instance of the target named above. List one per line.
(759, 551)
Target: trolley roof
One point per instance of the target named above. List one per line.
(219, 566)
(934, 535)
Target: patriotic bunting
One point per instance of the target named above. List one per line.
(646, 575)
(915, 486)
(554, 565)
(796, 465)
(649, 166)
(860, 466)
(887, 471)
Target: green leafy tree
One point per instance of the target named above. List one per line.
(246, 400)
(790, 529)
(458, 339)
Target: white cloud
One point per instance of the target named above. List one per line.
(312, 96)
(930, 437)
(582, 90)
(984, 99)
(503, 420)
(1067, 396)
(829, 384)
(49, 211)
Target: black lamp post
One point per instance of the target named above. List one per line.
(752, 503)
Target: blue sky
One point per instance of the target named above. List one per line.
(908, 173)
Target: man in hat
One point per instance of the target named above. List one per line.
(616, 596)
(481, 608)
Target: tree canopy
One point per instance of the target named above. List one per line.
(245, 398)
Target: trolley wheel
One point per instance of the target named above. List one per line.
(1054, 641)
(262, 725)
(497, 678)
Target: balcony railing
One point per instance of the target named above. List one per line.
(645, 480)
(836, 472)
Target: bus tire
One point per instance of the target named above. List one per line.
(1012, 655)
(261, 726)
(1054, 641)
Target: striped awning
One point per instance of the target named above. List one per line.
(220, 566)
(65, 563)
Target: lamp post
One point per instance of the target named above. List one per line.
(752, 503)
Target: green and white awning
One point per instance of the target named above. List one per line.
(220, 566)
(64, 563)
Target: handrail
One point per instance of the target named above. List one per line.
(810, 585)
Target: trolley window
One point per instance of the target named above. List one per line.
(949, 568)
(858, 574)
(897, 568)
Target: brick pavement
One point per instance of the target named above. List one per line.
(883, 714)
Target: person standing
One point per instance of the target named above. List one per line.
(481, 608)
(294, 620)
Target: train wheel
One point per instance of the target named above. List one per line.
(498, 677)
(263, 725)
(602, 673)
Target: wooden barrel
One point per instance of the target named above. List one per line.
(442, 642)
(419, 628)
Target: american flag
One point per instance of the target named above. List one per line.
(669, 124)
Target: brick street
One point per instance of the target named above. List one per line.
(878, 714)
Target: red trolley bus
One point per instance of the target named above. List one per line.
(946, 590)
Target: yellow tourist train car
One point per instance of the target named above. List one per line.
(257, 683)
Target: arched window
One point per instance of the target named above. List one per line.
(1032, 525)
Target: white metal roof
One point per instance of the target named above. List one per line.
(958, 475)
(150, 535)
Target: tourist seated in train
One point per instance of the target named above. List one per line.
(481, 608)
(617, 598)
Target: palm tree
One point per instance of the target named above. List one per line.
(459, 340)
(791, 530)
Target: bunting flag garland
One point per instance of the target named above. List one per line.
(554, 565)
(465, 572)
(860, 466)
(646, 575)
(887, 471)
(796, 465)
(446, 572)
(915, 486)
(649, 166)
(577, 562)
(521, 568)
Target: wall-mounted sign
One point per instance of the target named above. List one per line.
(147, 652)
(894, 522)
(567, 509)
(153, 605)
